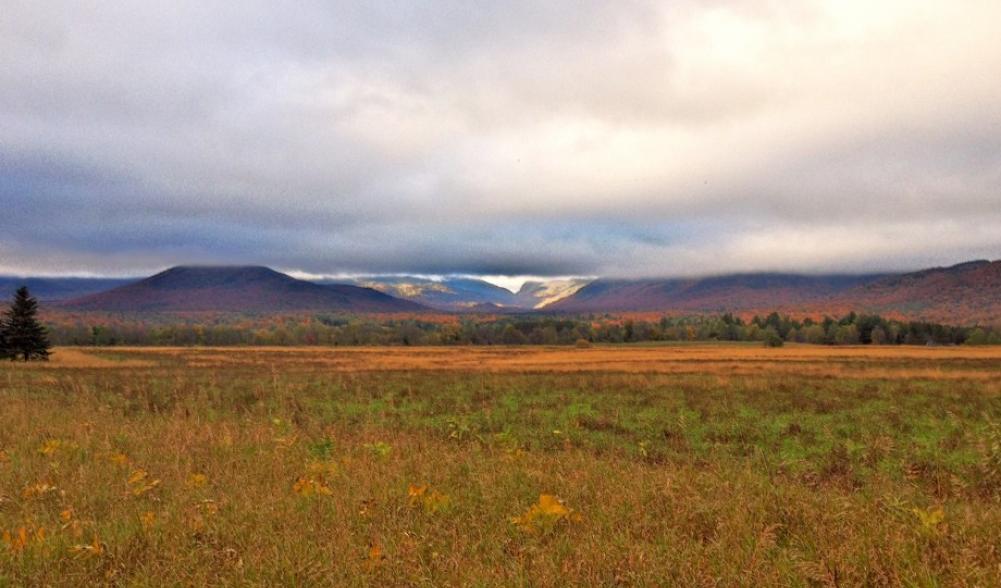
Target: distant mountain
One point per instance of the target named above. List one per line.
(48, 289)
(467, 294)
(712, 294)
(236, 289)
(961, 294)
(964, 293)
(444, 294)
(538, 294)
(491, 308)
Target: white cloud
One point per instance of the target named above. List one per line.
(632, 138)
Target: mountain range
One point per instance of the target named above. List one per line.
(235, 289)
(710, 294)
(470, 294)
(964, 293)
(961, 294)
(967, 293)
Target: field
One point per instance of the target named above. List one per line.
(659, 465)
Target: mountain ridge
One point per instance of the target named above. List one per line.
(467, 294)
(236, 289)
(965, 292)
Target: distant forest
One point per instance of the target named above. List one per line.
(333, 330)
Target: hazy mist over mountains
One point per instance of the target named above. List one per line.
(964, 293)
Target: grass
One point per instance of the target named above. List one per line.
(693, 466)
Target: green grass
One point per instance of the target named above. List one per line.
(672, 479)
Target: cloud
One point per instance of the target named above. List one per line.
(557, 138)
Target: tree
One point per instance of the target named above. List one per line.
(4, 348)
(814, 334)
(846, 335)
(977, 337)
(772, 338)
(512, 336)
(25, 336)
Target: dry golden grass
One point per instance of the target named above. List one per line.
(805, 360)
(647, 466)
(73, 357)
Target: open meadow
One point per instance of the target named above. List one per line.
(686, 465)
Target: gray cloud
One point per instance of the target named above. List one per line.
(631, 138)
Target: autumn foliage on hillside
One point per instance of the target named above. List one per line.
(964, 294)
(968, 293)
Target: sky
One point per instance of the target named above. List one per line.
(565, 137)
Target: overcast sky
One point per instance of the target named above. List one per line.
(552, 137)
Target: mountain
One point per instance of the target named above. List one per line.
(49, 289)
(444, 294)
(538, 294)
(467, 294)
(711, 294)
(236, 289)
(966, 293)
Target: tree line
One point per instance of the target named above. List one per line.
(335, 329)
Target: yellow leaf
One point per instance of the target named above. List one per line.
(930, 518)
(308, 487)
(139, 483)
(23, 537)
(197, 480)
(423, 496)
(148, 519)
(380, 448)
(37, 490)
(119, 458)
(50, 447)
(414, 493)
(21, 540)
(140, 490)
(436, 501)
(94, 549)
(544, 514)
(285, 442)
(551, 505)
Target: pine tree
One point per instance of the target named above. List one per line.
(25, 336)
(4, 348)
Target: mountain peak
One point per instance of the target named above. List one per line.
(237, 289)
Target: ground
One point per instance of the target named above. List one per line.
(656, 465)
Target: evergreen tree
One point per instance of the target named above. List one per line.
(4, 348)
(25, 336)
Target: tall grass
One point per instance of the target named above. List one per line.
(181, 470)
